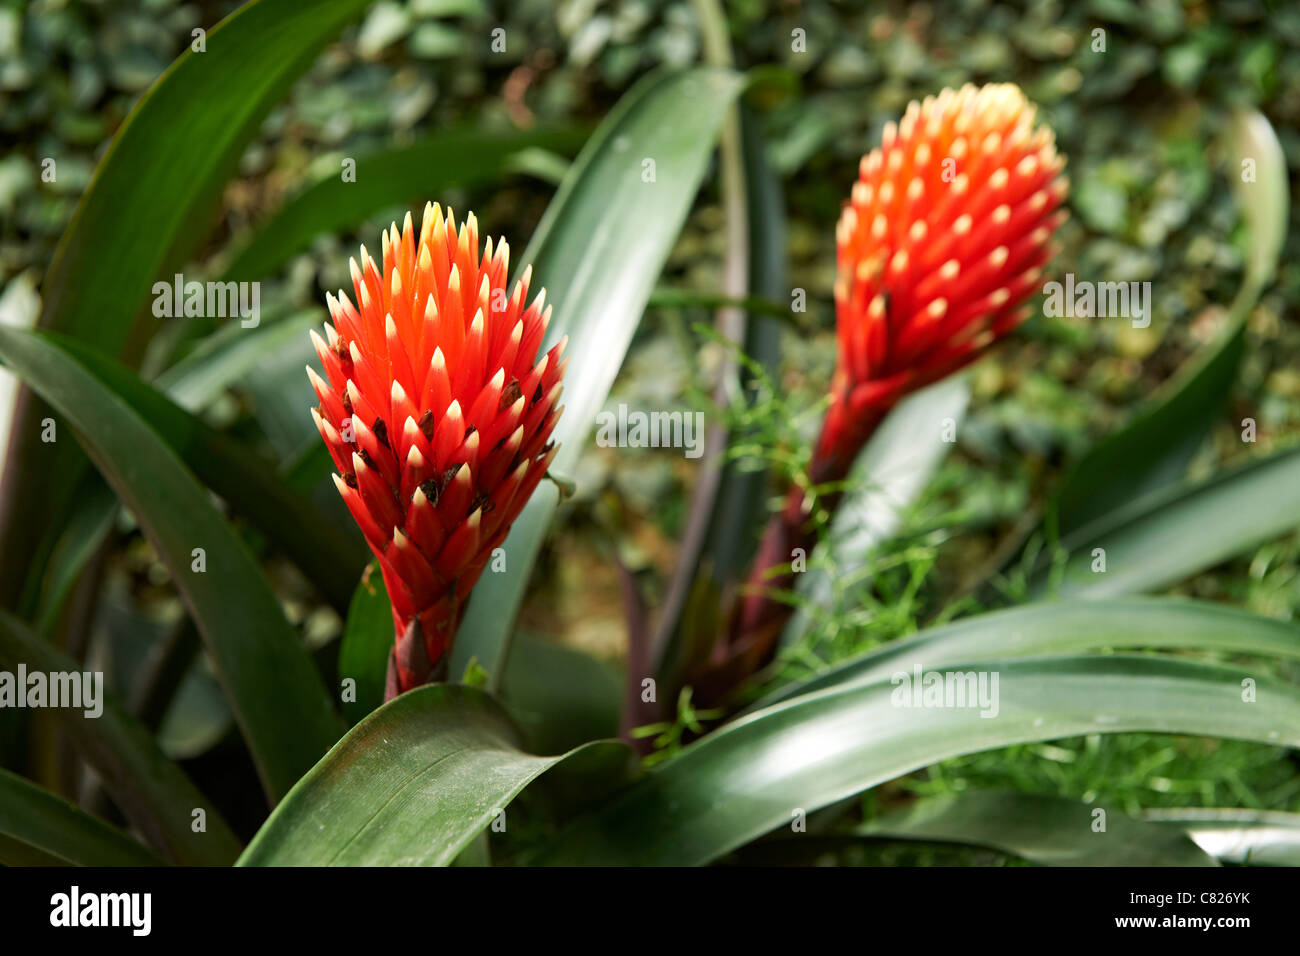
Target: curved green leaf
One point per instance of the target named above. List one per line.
(560, 697)
(758, 773)
(1053, 831)
(247, 482)
(39, 829)
(1154, 449)
(599, 250)
(164, 169)
(445, 160)
(1254, 837)
(153, 792)
(367, 641)
(412, 785)
(725, 517)
(1178, 531)
(162, 174)
(228, 354)
(1068, 627)
(274, 690)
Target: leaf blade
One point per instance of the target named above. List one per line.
(820, 748)
(276, 694)
(604, 212)
(38, 828)
(412, 785)
(154, 792)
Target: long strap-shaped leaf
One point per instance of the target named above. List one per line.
(598, 251)
(162, 175)
(1255, 837)
(1155, 448)
(153, 792)
(274, 690)
(1068, 627)
(248, 483)
(1051, 830)
(413, 784)
(1173, 533)
(761, 772)
(38, 828)
(391, 177)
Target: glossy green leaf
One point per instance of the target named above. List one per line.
(367, 641)
(274, 690)
(155, 794)
(560, 697)
(415, 173)
(412, 785)
(38, 828)
(146, 210)
(1171, 534)
(1067, 627)
(1050, 830)
(1246, 837)
(599, 250)
(247, 482)
(1155, 448)
(227, 355)
(727, 504)
(758, 773)
(165, 168)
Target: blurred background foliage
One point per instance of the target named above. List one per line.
(1150, 201)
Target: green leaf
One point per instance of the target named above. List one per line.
(599, 250)
(1053, 831)
(725, 515)
(1264, 196)
(412, 785)
(248, 483)
(164, 170)
(1155, 448)
(1254, 837)
(817, 749)
(155, 794)
(1067, 627)
(560, 697)
(87, 527)
(1171, 534)
(459, 158)
(274, 690)
(227, 355)
(888, 477)
(39, 829)
(367, 641)
(163, 174)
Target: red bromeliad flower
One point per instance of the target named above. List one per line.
(945, 236)
(438, 419)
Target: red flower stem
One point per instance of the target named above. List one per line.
(760, 616)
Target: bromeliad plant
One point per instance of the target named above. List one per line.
(437, 395)
(935, 266)
(437, 418)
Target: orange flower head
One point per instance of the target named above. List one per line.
(945, 236)
(438, 417)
